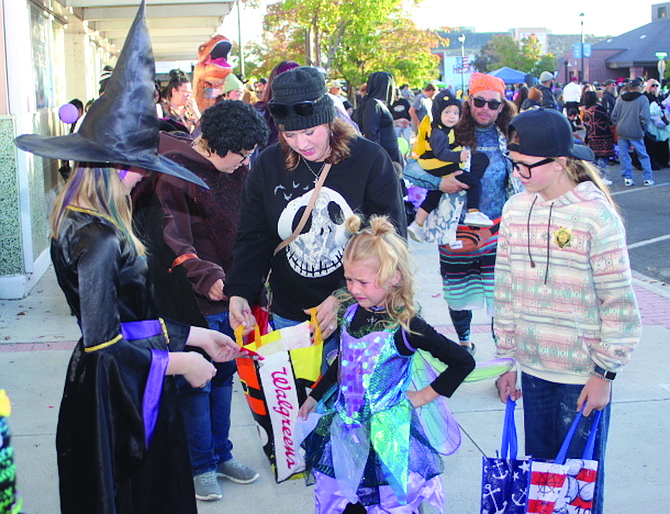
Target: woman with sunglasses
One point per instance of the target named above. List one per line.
(280, 185)
(564, 302)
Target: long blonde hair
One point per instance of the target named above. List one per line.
(381, 241)
(581, 171)
(341, 133)
(98, 189)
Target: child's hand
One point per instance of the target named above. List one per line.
(421, 397)
(216, 291)
(307, 408)
(197, 370)
(218, 346)
(596, 393)
(465, 155)
(506, 385)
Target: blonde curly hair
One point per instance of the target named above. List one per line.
(381, 241)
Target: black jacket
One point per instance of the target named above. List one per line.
(374, 118)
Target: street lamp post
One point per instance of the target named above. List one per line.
(581, 19)
(239, 35)
(461, 39)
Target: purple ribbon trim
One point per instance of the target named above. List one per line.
(152, 393)
(141, 329)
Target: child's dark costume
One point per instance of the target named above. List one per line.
(440, 154)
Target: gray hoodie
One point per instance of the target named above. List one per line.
(631, 115)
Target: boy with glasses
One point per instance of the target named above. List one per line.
(190, 251)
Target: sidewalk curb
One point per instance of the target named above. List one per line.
(651, 284)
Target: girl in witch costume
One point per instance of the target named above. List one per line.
(368, 452)
(120, 438)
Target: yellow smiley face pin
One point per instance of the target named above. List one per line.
(562, 237)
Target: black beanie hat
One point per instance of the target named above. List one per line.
(300, 85)
(443, 99)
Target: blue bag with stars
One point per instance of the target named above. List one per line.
(505, 479)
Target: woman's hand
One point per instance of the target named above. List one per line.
(506, 385)
(197, 370)
(216, 291)
(596, 393)
(421, 397)
(450, 184)
(326, 316)
(218, 346)
(240, 314)
(307, 408)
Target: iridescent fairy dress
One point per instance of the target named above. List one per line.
(369, 447)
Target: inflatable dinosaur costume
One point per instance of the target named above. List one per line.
(211, 70)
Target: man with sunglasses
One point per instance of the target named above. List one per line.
(468, 275)
(190, 252)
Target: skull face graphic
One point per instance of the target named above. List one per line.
(318, 250)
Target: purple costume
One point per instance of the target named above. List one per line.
(370, 446)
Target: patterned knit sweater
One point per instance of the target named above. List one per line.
(563, 295)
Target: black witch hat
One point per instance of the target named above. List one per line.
(121, 127)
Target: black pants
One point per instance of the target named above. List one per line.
(472, 195)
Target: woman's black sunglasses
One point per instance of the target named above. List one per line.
(305, 108)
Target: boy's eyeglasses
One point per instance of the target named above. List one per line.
(518, 166)
(480, 102)
(305, 108)
(244, 156)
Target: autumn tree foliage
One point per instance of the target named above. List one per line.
(504, 50)
(348, 38)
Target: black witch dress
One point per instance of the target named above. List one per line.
(120, 440)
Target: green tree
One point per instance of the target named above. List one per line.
(546, 63)
(531, 52)
(503, 50)
(349, 38)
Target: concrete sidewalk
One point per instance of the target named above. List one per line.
(37, 334)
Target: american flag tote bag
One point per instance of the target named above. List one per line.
(565, 486)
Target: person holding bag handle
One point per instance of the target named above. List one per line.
(356, 176)
(120, 440)
(564, 303)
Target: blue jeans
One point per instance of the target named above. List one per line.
(206, 411)
(330, 345)
(420, 177)
(626, 162)
(549, 409)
